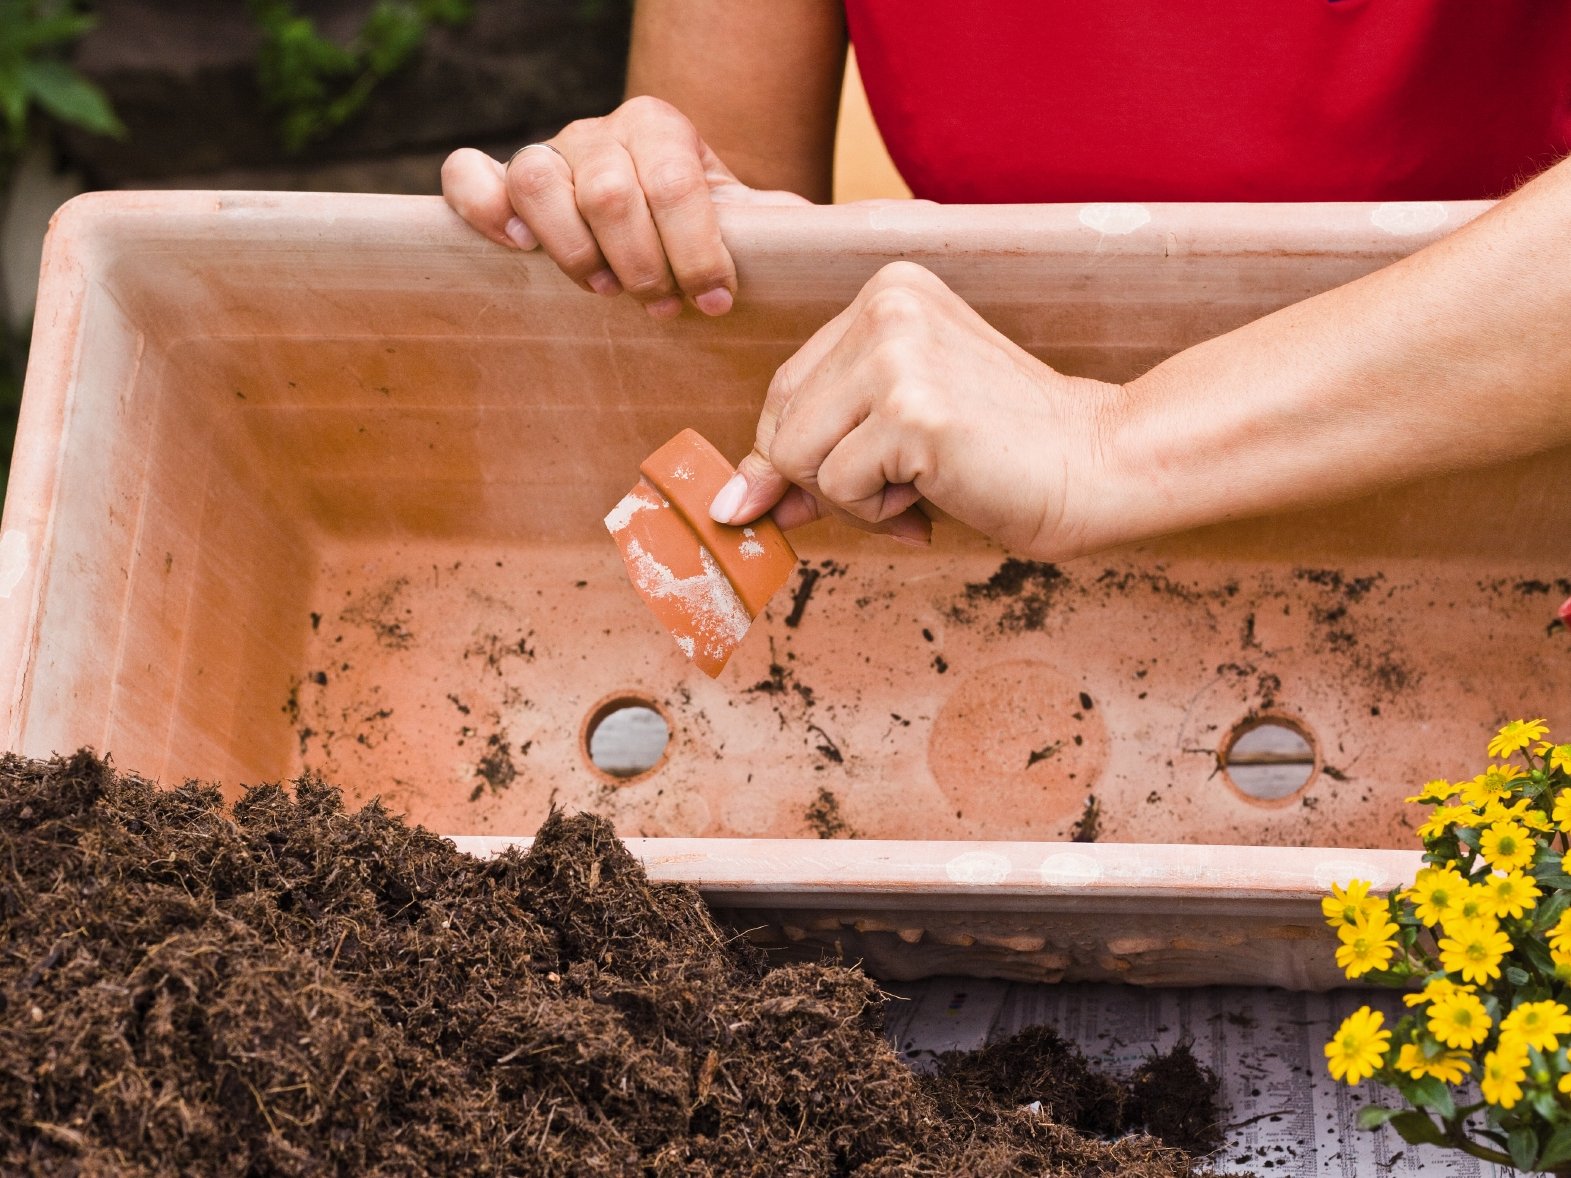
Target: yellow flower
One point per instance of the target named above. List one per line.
(1559, 935)
(1435, 988)
(1565, 863)
(1565, 1082)
(1358, 1049)
(1521, 811)
(1366, 945)
(1561, 958)
(1458, 1019)
(1435, 893)
(1506, 846)
(1474, 950)
(1517, 735)
(1537, 1024)
(1560, 758)
(1504, 1069)
(1443, 817)
(1562, 809)
(1493, 784)
(1446, 1066)
(1434, 791)
(1510, 895)
(1471, 906)
(1345, 906)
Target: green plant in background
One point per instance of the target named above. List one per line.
(1482, 940)
(37, 85)
(34, 37)
(316, 85)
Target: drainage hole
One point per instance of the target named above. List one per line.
(627, 737)
(1269, 760)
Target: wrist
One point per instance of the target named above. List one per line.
(1114, 488)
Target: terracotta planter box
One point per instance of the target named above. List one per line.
(317, 482)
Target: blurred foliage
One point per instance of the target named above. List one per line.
(313, 84)
(37, 85)
(34, 37)
(316, 85)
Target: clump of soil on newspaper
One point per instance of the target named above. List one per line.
(289, 988)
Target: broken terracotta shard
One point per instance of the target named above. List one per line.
(704, 581)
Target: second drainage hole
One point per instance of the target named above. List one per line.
(1270, 761)
(627, 738)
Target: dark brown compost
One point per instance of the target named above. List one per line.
(283, 987)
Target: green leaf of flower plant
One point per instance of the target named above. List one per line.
(1557, 1149)
(1547, 913)
(1516, 975)
(1523, 1148)
(1430, 1093)
(1537, 955)
(1417, 1129)
(1372, 1116)
(1546, 1105)
(71, 98)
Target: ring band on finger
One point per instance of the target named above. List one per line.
(527, 146)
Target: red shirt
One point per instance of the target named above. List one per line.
(1137, 100)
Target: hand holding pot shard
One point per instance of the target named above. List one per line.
(910, 404)
(704, 581)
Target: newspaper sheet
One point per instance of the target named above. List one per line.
(1285, 1115)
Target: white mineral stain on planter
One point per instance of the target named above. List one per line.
(750, 547)
(1340, 871)
(683, 472)
(1405, 217)
(708, 598)
(1115, 219)
(14, 559)
(1068, 867)
(619, 516)
(977, 867)
(899, 216)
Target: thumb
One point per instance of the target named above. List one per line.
(754, 489)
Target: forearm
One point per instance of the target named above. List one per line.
(1459, 355)
(761, 82)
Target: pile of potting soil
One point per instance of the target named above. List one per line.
(283, 987)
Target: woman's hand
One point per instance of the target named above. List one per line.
(909, 401)
(620, 203)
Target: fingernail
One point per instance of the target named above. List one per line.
(603, 282)
(729, 501)
(714, 302)
(518, 233)
(910, 541)
(666, 308)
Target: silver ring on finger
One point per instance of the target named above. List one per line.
(527, 146)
